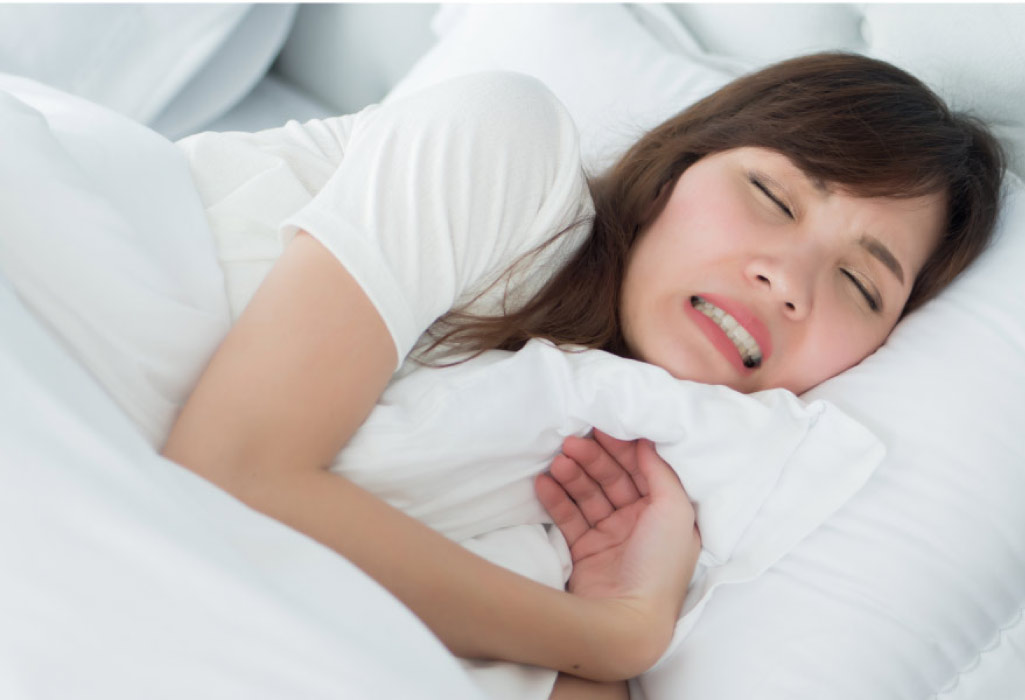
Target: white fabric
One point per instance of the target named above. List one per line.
(984, 76)
(872, 605)
(431, 167)
(124, 574)
(614, 79)
(739, 33)
(970, 53)
(622, 69)
(230, 73)
(458, 448)
(349, 54)
(106, 240)
(1000, 666)
(174, 67)
(249, 183)
(130, 58)
(271, 103)
(127, 576)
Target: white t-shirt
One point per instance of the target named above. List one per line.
(427, 201)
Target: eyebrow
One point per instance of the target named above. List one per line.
(881, 253)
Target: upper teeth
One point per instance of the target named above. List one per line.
(747, 346)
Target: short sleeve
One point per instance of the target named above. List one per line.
(440, 192)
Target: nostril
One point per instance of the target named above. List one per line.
(790, 306)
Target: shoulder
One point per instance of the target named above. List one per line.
(509, 98)
(494, 93)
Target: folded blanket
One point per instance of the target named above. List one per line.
(458, 448)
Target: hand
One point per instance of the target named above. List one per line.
(628, 522)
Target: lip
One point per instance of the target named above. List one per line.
(744, 316)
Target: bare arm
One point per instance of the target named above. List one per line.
(597, 492)
(572, 688)
(293, 380)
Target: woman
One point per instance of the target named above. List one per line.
(769, 236)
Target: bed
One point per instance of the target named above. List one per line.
(127, 576)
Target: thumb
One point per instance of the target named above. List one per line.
(661, 479)
(666, 489)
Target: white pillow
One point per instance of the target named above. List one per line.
(230, 73)
(739, 31)
(131, 58)
(973, 54)
(901, 591)
(970, 53)
(103, 235)
(614, 78)
(175, 67)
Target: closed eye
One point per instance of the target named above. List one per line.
(873, 303)
(768, 193)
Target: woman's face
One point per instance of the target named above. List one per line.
(755, 276)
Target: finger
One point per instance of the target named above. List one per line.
(643, 450)
(615, 481)
(667, 492)
(663, 482)
(564, 512)
(624, 452)
(587, 494)
(621, 450)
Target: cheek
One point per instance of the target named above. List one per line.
(705, 223)
(835, 348)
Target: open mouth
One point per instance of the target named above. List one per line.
(747, 346)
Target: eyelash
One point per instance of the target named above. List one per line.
(754, 180)
(872, 303)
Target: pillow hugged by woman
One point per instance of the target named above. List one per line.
(770, 235)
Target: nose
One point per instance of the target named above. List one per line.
(787, 284)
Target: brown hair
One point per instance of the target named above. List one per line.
(850, 121)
